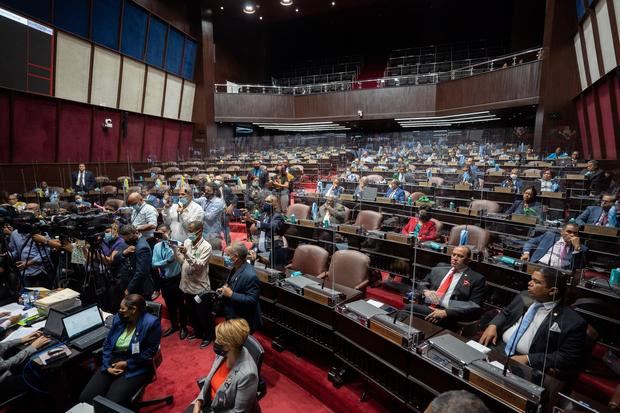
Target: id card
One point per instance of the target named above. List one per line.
(135, 348)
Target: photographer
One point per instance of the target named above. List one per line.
(269, 228)
(29, 256)
(193, 256)
(178, 216)
(135, 263)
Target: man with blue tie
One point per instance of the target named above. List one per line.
(605, 215)
(395, 192)
(538, 329)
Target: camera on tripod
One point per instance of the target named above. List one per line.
(88, 227)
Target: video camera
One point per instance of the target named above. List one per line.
(88, 227)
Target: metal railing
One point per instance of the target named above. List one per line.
(497, 63)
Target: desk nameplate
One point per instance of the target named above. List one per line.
(427, 184)
(506, 190)
(383, 200)
(396, 237)
(349, 229)
(599, 230)
(347, 197)
(555, 195)
(575, 177)
(462, 187)
(496, 173)
(523, 219)
(307, 223)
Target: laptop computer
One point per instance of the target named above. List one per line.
(53, 325)
(369, 194)
(85, 328)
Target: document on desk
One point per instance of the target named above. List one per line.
(13, 308)
(19, 333)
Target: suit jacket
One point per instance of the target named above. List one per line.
(147, 335)
(135, 273)
(89, 181)
(244, 303)
(399, 195)
(238, 393)
(541, 244)
(596, 181)
(592, 214)
(407, 178)
(567, 335)
(428, 232)
(470, 287)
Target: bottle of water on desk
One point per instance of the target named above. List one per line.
(614, 277)
(26, 300)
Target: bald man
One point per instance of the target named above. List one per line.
(143, 216)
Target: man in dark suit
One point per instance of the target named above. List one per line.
(82, 180)
(258, 172)
(604, 215)
(538, 329)
(135, 272)
(596, 180)
(451, 293)
(560, 250)
(242, 288)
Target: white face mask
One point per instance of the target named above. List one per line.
(513, 177)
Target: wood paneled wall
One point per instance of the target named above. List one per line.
(514, 86)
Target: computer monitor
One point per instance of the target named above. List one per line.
(103, 405)
(369, 194)
(82, 321)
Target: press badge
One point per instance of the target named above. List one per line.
(135, 348)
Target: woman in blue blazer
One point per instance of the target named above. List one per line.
(128, 349)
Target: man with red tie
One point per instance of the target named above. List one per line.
(450, 293)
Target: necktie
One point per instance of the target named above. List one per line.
(602, 221)
(564, 253)
(82, 178)
(445, 285)
(518, 333)
(392, 194)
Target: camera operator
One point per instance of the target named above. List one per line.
(135, 266)
(30, 257)
(269, 228)
(194, 258)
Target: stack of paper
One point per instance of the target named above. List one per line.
(43, 292)
(57, 299)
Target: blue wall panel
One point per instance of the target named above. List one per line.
(134, 30)
(174, 51)
(106, 20)
(38, 9)
(156, 42)
(189, 59)
(72, 16)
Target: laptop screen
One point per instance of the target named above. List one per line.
(82, 321)
(53, 324)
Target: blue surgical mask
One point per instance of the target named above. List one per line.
(228, 261)
(108, 236)
(192, 237)
(267, 208)
(136, 207)
(183, 201)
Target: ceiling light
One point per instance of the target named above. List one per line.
(260, 18)
(249, 9)
(296, 10)
(286, 2)
(221, 7)
(460, 115)
(333, 3)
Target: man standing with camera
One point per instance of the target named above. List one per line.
(135, 273)
(194, 256)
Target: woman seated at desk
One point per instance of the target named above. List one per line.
(233, 380)
(528, 205)
(421, 227)
(128, 351)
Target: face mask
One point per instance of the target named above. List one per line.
(228, 261)
(218, 349)
(132, 242)
(267, 209)
(192, 237)
(513, 177)
(78, 201)
(218, 182)
(136, 207)
(108, 236)
(255, 184)
(183, 201)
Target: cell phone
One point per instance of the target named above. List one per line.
(237, 213)
(175, 242)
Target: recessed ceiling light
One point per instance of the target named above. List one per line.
(249, 9)
(221, 7)
(333, 3)
(296, 10)
(286, 2)
(260, 18)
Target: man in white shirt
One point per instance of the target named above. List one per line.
(194, 256)
(179, 216)
(537, 329)
(143, 216)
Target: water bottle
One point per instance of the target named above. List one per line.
(614, 277)
(463, 237)
(409, 200)
(293, 219)
(429, 173)
(26, 300)
(496, 167)
(452, 205)
(54, 197)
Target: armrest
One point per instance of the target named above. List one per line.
(362, 285)
(322, 275)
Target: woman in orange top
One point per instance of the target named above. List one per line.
(233, 380)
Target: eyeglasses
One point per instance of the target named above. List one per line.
(570, 231)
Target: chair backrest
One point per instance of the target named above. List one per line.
(226, 176)
(417, 195)
(102, 179)
(256, 351)
(438, 225)
(479, 237)
(153, 307)
(301, 211)
(532, 172)
(375, 179)
(436, 180)
(347, 215)
(172, 169)
(122, 178)
(310, 259)
(489, 206)
(114, 203)
(369, 220)
(348, 268)
(109, 189)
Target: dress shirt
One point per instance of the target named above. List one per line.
(81, 181)
(23, 248)
(546, 186)
(445, 300)
(553, 256)
(213, 215)
(146, 215)
(195, 267)
(165, 261)
(178, 222)
(523, 346)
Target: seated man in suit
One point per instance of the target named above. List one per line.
(605, 215)
(560, 250)
(454, 292)
(538, 329)
(402, 175)
(331, 211)
(82, 180)
(334, 188)
(528, 205)
(513, 182)
(395, 192)
(241, 290)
